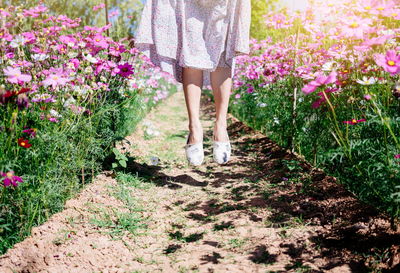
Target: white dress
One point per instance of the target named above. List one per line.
(200, 34)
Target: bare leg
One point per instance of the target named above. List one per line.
(192, 85)
(221, 83)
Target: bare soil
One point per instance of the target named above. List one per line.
(267, 210)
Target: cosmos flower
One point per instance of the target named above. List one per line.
(367, 81)
(31, 132)
(10, 179)
(354, 121)
(100, 6)
(15, 75)
(125, 70)
(319, 81)
(389, 62)
(367, 97)
(56, 79)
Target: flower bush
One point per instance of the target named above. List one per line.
(67, 94)
(325, 83)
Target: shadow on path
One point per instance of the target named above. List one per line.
(273, 186)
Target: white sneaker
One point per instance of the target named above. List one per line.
(221, 151)
(194, 152)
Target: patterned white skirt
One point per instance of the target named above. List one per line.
(202, 34)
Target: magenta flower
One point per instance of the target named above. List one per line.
(125, 70)
(390, 62)
(354, 121)
(319, 81)
(55, 80)
(117, 50)
(322, 98)
(31, 132)
(11, 179)
(35, 12)
(15, 75)
(397, 156)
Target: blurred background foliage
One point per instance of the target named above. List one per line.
(259, 8)
(124, 21)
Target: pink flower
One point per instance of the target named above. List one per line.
(101, 6)
(15, 75)
(117, 50)
(250, 89)
(354, 121)
(55, 80)
(397, 156)
(390, 62)
(113, 13)
(356, 27)
(279, 21)
(100, 41)
(152, 82)
(11, 179)
(367, 97)
(393, 13)
(319, 81)
(34, 12)
(125, 70)
(377, 40)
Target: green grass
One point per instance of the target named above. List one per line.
(116, 222)
(237, 242)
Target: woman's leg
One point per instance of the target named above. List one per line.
(192, 85)
(221, 83)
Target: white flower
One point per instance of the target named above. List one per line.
(70, 66)
(261, 104)
(276, 120)
(69, 101)
(388, 32)
(17, 41)
(40, 57)
(90, 58)
(54, 113)
(72, 54)
(88, 70)
(329, 66)
(80, 90)
(367, 81)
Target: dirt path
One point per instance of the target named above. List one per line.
(251, 215)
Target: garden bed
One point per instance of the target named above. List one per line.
(68, 94)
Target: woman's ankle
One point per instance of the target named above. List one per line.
(220, 131)
(196, 133)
